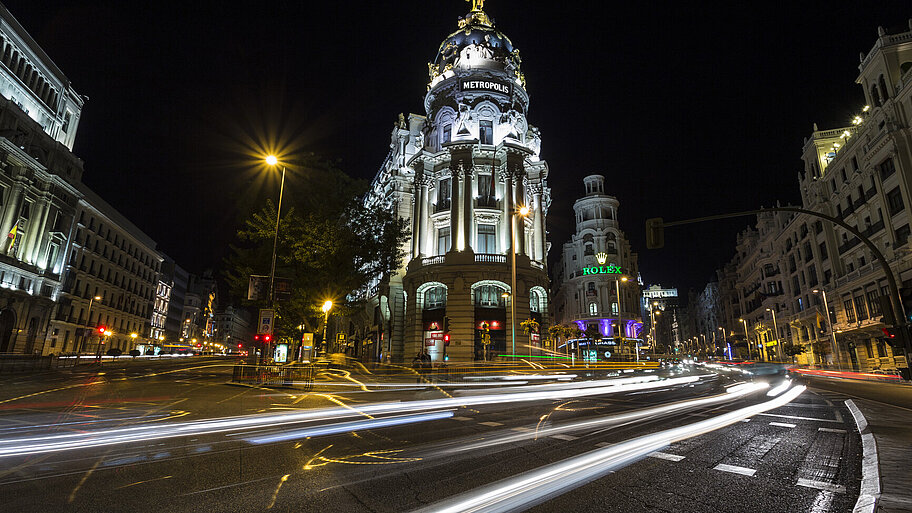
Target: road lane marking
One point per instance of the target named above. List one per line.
(782, 424)
(745, 420)
(665, 456)
(795, 417)
(603, 444)
(522, 429)
(567, 438)
(734, 469)
(462, 418)
(821, 485)
(831, 430)
(490, 423)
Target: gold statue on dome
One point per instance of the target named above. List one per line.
(477, 5)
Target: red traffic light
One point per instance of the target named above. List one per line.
(267, 338)
(102, 329)
(240, 346)
(888, 332)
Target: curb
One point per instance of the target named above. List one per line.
(870, 471)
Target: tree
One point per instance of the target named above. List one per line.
(329, 245)
(530, 326)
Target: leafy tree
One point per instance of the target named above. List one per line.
(329, 245)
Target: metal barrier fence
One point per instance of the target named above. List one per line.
(296, 376)
(10, 363)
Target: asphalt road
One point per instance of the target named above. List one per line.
(803, 456)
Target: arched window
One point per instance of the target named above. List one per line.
(884, 91)
(875, 96)
(489, 296)
(588, 250)
(537, 300)
(593, 308)
(435, 297)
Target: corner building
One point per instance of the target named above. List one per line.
(596, 282)
(459, 174)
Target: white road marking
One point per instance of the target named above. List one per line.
(831, 430)
(462, 418)
(492, 424)
(745, 420)
(665, 456)
(795, 417)
(782, 424)
(522, 429)
(821, 485)
(870, 463)
(603, 444)
(734, 469)
(565, 437)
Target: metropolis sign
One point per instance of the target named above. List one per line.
(485, 85)
(603, 269)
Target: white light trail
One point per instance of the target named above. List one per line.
(344, 427)
(534, 487)
(115, 436)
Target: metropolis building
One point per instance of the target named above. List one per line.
(596, 282)
(459, 174)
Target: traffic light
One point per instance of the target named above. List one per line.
(102, 329)
(257, 338)
(655, 233)
(267, 338)
(446, 339)
(446, 324)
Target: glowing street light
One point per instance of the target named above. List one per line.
(826, 307)
(327, 306)
(776, 327)
(747, 339)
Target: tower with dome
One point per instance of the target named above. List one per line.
(461, 174)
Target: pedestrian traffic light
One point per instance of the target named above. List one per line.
(446, 339)
(102, 329)
(655, 233)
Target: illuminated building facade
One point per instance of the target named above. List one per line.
(458, 174)
(596, 282)
(862, 174)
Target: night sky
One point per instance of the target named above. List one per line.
(688, 111)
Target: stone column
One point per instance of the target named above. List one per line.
(41, 235)
(420, 198)
(508, 210)
(423, 219)
(455, 173)
(11, 214)
(538, 225)
(468, 216)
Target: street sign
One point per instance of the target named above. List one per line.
(266, 321)
(340, 338)
(307, 341)
(282, 288)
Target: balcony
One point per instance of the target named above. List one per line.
(487, 202)
(488, 258)
(870, 193)
(434, 260)
(851, 243)
(442, 206)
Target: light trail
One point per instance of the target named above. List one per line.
(536, 486)
(598, 423)
(344, 427)
(114, 436)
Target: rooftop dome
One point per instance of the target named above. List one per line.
(477, 44)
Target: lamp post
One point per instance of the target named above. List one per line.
(327, 306)
(723, 341)
(85, 328)
(272, 161)
(617, 290)
(776, 328)
(133, 338)
(747, 339)
(826, 307)
(523, 212)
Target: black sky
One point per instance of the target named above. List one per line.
(687, 110)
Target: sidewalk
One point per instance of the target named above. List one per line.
(892, 430)
(887, 408)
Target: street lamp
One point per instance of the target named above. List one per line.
(133, 336)
(826, 307)
(85, 328)
(522, 212)
(327, 306)
(747, 339)
(776, 327)
(723, 340)
(271, 160)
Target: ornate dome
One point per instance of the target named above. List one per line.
(477, 44)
